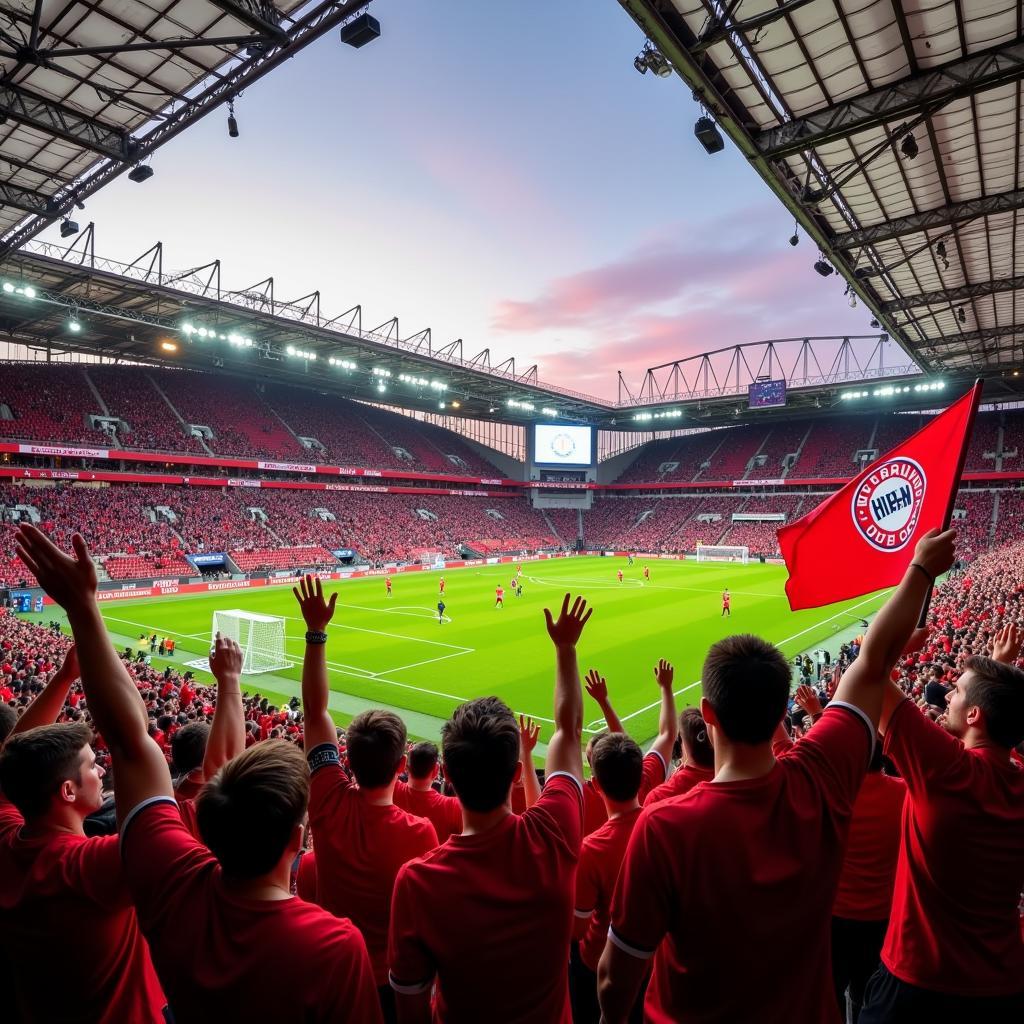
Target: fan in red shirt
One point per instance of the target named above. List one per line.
(64, 901)
(754, 855)
(698, 764)
(655, 770)
(214, 920)
(419, 797)
(361, 837)
(617, 764)
(954, 943)
(488, 915)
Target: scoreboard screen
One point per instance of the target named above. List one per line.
(766, 394)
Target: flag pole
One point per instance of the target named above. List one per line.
(979, 385)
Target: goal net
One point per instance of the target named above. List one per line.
(431, 558)
(261, 638)
(723, 553)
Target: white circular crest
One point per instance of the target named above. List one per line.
(887, 504)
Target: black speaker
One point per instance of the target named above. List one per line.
(360, 31)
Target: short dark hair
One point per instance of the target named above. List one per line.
(481, 750)
(188, 746)
(618, 765)
(998, 690)
(376, 744)
(694, 731)
(34, 765)
(8, 720)
(746, 680)
(423, 760)
(247, 813)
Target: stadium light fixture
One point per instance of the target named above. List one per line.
(794, 239)
(28, 291)
(961, 314)
(548, 411)
(823, 267)
(382, 386)
(8, 287)
(168, 346)
(68, 227)
(74, 324)
(650, 59)
(441, 405)
(456, 404)
(908, 147)
(232, 123)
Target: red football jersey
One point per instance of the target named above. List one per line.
(490, 916)
(757, 863)
(595, 814)
(69, 934)
(600, 860)
(360, 847)
(443, 812)
(684, 779)
(212, 948)
(963, 819)
(869, 868)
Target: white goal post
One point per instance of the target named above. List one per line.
(430, 559)
(723, 553)
(261, 637)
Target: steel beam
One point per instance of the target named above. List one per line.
(928, 90)
(24, 199)
(63, 122)
(260, 15)
(943, 296)
(955, 213)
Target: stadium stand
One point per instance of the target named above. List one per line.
(48, 403)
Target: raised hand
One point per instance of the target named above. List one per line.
(225, 658)
(936, 552)
(69, 670)
(597, 687)
(529, 732)
(664, 673)
(807, 699)
(566, 630)
(315, 610)
(1007, 643)
(69, 580)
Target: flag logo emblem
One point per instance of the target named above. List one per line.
(887, 503)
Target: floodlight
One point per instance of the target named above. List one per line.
(73, 325)
(8, 287)
(68, 227)
(168, 346)
(232, 123)
(29, 292)
(141, 173)
(823, 267)
(708, 135)
(908, 147)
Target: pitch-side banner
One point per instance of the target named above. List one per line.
(862, 538)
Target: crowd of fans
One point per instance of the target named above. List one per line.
(785, 870)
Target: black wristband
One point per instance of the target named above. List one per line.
(316, 636)
(927, 575)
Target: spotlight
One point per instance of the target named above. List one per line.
(708, 135)
(232, 123)
(794, 239)
(80, 204)
(853, 301)
(141, 173)
(168, 346)
(73, 324)
(823, 267)
(961, 314)
(874, 324)
(640, 63)
(908, 147)
(68, 227)
(940, 251)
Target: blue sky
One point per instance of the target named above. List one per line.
(499, 173)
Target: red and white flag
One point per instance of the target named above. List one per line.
(862, 538)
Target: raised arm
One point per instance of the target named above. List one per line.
(564, 753)
(597, 687)
(668, 724)
(45, 709)
(318, 726)
(528, 733)
(114, 700)
(1007, 643)
(227, 732)
(864, 682)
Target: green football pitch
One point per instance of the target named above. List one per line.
(393, 652)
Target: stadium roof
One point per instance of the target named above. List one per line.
(892, 131)
(70, 300)
(91, 88)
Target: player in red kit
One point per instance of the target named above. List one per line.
(726, 600)
(620, 575)
(647, 573)
(387, 583)
(440, 583)
(499, 594)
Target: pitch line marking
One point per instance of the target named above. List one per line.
(393, 636)
(690, 686)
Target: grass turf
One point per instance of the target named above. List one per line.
(394, 653)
